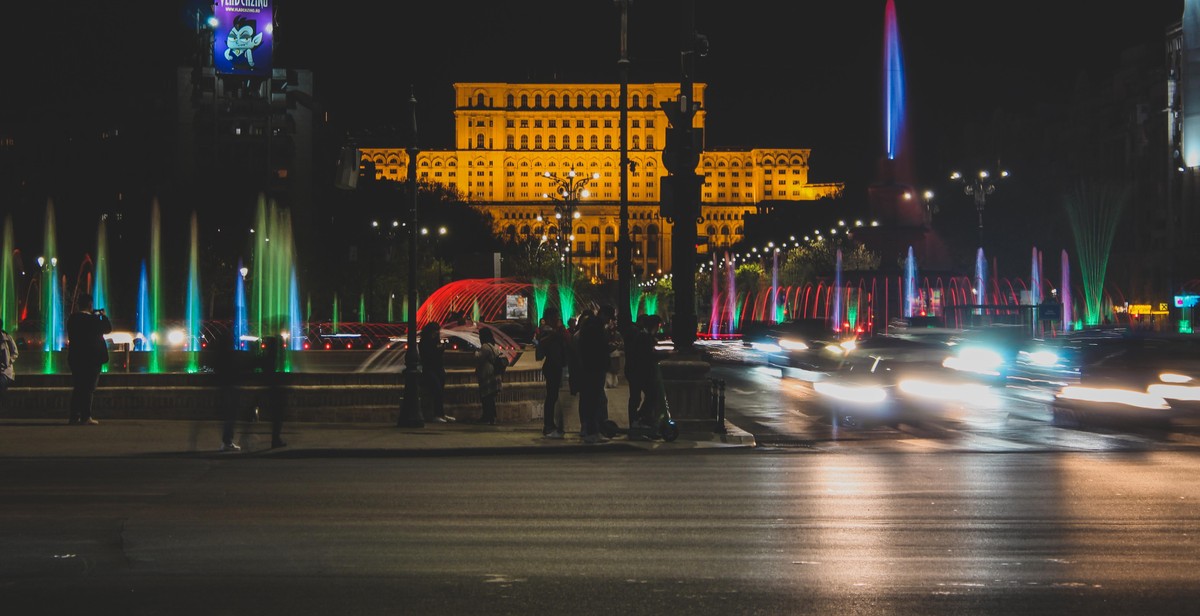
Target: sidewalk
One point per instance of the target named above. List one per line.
(34, 438)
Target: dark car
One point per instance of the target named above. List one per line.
(817, 358)
(1137, 380)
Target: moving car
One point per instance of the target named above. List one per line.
(1135, 380)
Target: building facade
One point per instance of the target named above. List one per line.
(513, 140)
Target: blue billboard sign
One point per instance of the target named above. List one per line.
(243, 35)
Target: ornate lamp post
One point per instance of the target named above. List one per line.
(410, 411)
(437, 237)
(568, 191)
(979, 187)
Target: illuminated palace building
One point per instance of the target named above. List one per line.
(508, 137)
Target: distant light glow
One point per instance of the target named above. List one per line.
(893, 82)
(1126, 397)
(860, 394)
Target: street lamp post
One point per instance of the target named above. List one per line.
(410, 411)
(979, 187)
(568, 191)
(624, 263)
(441, 232)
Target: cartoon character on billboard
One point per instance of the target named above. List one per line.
(242, 42)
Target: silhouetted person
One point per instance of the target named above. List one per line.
(552, 349)
(276, 397)
(593, 344)
(225, 370)
(487, 375)
(641, 368)
(433, 371)
(87, 352)
(8, 356)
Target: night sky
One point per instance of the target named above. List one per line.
(780, 74)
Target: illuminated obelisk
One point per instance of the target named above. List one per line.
(895, 204)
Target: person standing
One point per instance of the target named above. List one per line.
(486, 374)
(8, 355)
(552, 348)
(433, 371)
(87, 352)
(593, 344)
(641, 369)
(226, 374)
(276, 397)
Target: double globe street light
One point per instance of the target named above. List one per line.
(569, 190)
(979, 187)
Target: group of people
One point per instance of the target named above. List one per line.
(585, 349)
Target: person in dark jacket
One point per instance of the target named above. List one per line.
(593, 343)
(552, 349)
(433, 372)
(641, 369)
(87, 352)
(487, 375)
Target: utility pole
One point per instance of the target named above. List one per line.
(624, 264)
(681, 189)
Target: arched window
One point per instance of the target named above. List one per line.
(652, 241)
(637, 142)
(511, 142)
(608, 142)
(479, 141)
(579, 101)
(595, 101)
(479, 100)
(510, 100)
(524, 101)
(524, 142)
(537, 101)
(595, 141)
(650, 100)
(553, 142)
(608, 101)
(566, 142)
(510, 230)
(524, 229)
(609, 231)
(537, 142)
(724, 229)
(712, 230)
(738, 231)
(579, 142)
(553, 99)
(595, 230)
(634, 105)
(649, 142)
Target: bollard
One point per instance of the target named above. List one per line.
(718, 401)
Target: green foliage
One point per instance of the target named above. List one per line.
(818, 259)
(531, 259)
(751, 277)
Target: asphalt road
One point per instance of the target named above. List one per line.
(604, 532)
